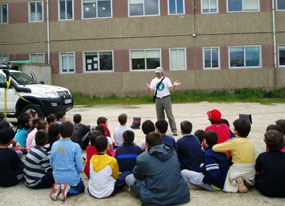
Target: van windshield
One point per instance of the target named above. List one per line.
(22, 78)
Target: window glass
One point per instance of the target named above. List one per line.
(215, 57)
(172, 6)
(67, 62)
(4, 57)
(207, 58)
(211, 57)
(151, 7)
(145, 59)
(235, 5)
(3, 13)
(99, 61)
(237, 56)
(106, 63)
(38, 58)
(152, 59)
(33, 11)
(39, 11)
(180, 6)
(104, 8)
(66, 9)
(89, 8)
(177, 59)
(282, 56)
(252, 56)
(280, 4)
(136, 7)
(69, 9)
(138, 60)
(62, 9)
(213, 6)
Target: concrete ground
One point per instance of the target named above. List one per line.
(262, 116)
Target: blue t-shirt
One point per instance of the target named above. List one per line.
(169, 141)
(21, 136)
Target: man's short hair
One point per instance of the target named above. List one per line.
(147, 127)
(123, 118)
(93, 135)
(53, 130)
(273, 127)
(211, 138)
(200, 134)
(41, 138)
(6, 135)
(281, 124)
(242, 127)
(51, 118)
(77, 118)
(60, 115)
(161, 125)
(101, 120)
(66, 129)
(42, 124)
(186, 126)
(129, 136)
(101, 143)
(274, 140)
(153, 139)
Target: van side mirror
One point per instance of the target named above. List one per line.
(3, 85)
(41, 82)
(6, 71)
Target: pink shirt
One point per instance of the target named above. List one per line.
(30, 139)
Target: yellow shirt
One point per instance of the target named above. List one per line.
(243, 150)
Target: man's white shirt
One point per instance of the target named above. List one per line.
(163, 89)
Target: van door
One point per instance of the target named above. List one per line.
(10, 98)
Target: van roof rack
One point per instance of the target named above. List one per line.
(4, 65)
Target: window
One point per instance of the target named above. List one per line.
(67, 62)
(4, 57)
(280, 5)
(96, 8)
(177, 59)
(143, 7)
(211, 57)
(38, 58)
(145, 59)
(245, 56)
(65, 9)
(98, 61)
(176, 6)
(243, 5)
(36, 11)
(282, 56)
(209, 6)
(3, 13)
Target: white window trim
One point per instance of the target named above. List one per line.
(283, 47)
(5, 55)
(209, 11)
(36, 9)
(144, 70)
(143, 15)
(185, 59)
(99, 71)
(245, 67)
(219, 58)
(82, 12)
(7, 13)
(176, 8)
(65, 11)
(258, 9)
(30, 57)
(277, 7)
(60, 65)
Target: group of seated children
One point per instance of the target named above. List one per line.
(156, 172)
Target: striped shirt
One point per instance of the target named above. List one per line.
(36, 166)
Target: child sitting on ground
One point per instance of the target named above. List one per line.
(110, 150)
(41, 124)
(243, 154)
(24, 125)
(147, 127)
(11, 171)
(37, 169)
(212, 174)
(53, 136)
(200, 134)
(118, 134)
(281, 124)
(60, 117)
(67, 163)
(276, 128)
(81, 132)
(270, 166)
(161, 128)
(104, 122)
(51, 119)
(104, 171)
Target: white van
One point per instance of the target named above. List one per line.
(25, 95)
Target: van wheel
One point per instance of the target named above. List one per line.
(33, 108)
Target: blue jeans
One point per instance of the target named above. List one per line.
(77, 189)
(120, 183)
(19, 172)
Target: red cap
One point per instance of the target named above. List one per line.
(215, 115)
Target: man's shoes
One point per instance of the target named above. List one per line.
(241, 187)
(64, 191)
(55, 191)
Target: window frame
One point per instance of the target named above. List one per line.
(30, 57)
(176, 8)
(143, 15)
(60, 63)
(219, 58)
(1, 55)
(43, 10)
(217, 2)
(1, 17)
(59, 19)
(277, 7)
(82, 11)
(185, 58)
(99, 70)
(258, 9)
(283, 47)
(145, 69)
(245, 67)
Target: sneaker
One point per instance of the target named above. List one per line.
(241, 187)
(55, 191)
(64, 190)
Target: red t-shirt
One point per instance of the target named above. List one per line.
(222, 131)
(90, 151)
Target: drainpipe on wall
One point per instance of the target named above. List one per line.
(274, 45)
(48, 39)
(194, 10)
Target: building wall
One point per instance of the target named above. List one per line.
(42, 72)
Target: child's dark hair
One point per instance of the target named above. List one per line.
(35, 122)
(41, 137)
(93, 135)
(225, 121)
(274, 127)
(2, 116)
(101, 120)
(51, 118)
(211, 138)
(153, 139)
(6, 135)
(101, 129)
(23, 121)
(53, 131)
(281, 124)
(123, 119)
(147, 127)
(4, 124)
(200, 134)
(60, 115)
(274, 140)
(66, 129)
(42, 124)
(242, 127)
(77, 118)
(161, 125)
(101, 143)
(129, 136)
(186, 127)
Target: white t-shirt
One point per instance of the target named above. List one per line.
(110, 141)
(118, 135)
(143, 145)
(163, 89)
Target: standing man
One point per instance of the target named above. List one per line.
(161, 89)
